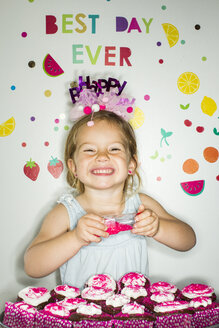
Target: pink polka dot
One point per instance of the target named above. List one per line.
(87, 110)
(217, 177)
(129, 109)
(146, 97)
(200, 129)
(23, 144)
(24, 34)
(56, 120)
(158, 179)
(187, 123)
(46, 143)
(160, 61)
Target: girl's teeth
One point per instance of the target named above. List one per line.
(102, 171)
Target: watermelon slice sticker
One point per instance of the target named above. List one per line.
(51, 67)
(193, 188)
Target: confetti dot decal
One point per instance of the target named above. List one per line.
(197, 27)
(56, 128)
(31, 0)
(217, 177)
(188, 83)
(66, 127)
(56, 120)
(31, 64)
(23, 144)
(160, 61)
(24, 34)
(32, 118)
(146, 97)
(204, 58)
(164, 7)
(48, 93)
(158, 179)
(200, 129)
(183, 42)
(190, 166)
(158, 43)
(13, 87)
(188, 123)
(46, 143)
(211, 154)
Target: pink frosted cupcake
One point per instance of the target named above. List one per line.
(65, 291)
(136, 293)
(90, 315)
(173, 314)
(38, 297)
(133, 315)
(71, 304)
(114, 303)
(195, 290)
(134, 279)
(162, 286)
(206, 312)
(96, 294)
(102, 281)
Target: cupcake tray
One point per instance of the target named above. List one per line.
(3, 326)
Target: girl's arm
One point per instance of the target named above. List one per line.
(55, 244)
(155, 222)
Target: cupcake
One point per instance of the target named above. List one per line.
(96, 294)
(134, 279)
(64, 291)
(102, 281)
(38, 297)
(90, 315)
(133, 315)
(162, 286)
(206, 312)
(71, 304)
(114, 303)
(57, 310)
(195, 290)
(136, 293)
(173, 314)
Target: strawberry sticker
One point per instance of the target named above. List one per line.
(31, 170)
(55, 167)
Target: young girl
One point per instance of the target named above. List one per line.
(102, 161)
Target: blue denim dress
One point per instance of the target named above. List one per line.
(116, 255)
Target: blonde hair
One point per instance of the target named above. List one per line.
(130, 145)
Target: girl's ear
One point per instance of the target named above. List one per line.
(133, 164)
(71, 166)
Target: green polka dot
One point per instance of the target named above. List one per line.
(204, 58)
(56, 128)
(162, 159)
(164, 7)
(183, 41)
(169, 156)
(31, 0)
(66, 127)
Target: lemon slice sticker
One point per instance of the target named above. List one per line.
(208, 106)
(172, 34)
(7, 127)
(188, 83)
(138, 118)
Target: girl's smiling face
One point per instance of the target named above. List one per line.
(101, 159)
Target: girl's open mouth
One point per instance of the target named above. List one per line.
(103, 171)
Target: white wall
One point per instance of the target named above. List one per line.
(24, 202)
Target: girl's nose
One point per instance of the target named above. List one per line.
(102, 156)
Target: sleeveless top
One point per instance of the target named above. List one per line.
(116, 255)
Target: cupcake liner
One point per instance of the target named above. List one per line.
(92, 324)
(17, 318)
(174, 321)
(134, 323)
(44, 320)
(206, 317)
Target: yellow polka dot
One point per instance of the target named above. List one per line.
(47, 93)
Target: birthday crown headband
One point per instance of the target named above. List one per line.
(99, 95)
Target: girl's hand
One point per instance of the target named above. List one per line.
(146, 222)
(90, 228)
